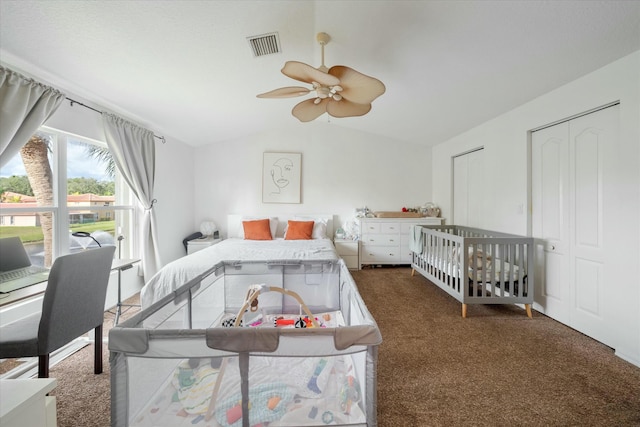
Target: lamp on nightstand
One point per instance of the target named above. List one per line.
(209, 229)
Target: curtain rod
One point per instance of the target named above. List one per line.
(73, 101)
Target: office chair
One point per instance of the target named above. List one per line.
(73, 304)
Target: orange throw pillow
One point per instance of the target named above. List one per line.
(257, 230)
(299, 230)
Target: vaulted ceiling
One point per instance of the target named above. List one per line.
(185, 68)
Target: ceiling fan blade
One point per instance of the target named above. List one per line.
(308, 110)
(357, 87)
(285, 92)
(306, 73)
(346, 108)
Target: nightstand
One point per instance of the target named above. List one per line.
(348, 251)
(196, 245)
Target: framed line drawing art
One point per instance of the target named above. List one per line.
(281, 173)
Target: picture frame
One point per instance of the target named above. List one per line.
(281, 177)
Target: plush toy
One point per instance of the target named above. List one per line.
(480, 259)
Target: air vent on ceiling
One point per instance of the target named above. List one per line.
(264, 44)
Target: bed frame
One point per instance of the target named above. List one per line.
(498, 266)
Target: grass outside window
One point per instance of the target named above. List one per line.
(33, 234)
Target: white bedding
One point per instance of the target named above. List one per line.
(180, 271)
(495, 271)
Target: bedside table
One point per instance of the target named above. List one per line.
(196, 245)
(348, 251)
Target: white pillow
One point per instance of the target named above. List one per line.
(273, 225)
(319, 226)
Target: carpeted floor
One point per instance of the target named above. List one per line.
(495, 368)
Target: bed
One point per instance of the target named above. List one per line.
(228, 348)
(475, 266)
(237, 248)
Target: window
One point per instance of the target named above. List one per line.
(61, 184)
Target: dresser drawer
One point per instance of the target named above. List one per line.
(381, 239)
(380, 254)
(405, 252)
(406, 228)
(371, 228)
(390, 228)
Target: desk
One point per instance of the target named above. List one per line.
(24, 293)
(25, 403)
(39, 288)
(120, 265)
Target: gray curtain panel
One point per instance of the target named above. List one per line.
(134, 152)
(24, 106)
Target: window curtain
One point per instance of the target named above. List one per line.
(24, 106)
(133, 150)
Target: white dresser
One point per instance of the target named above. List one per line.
(386, 240)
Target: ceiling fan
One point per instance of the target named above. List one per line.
(340, 91)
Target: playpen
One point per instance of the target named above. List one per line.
(283, 343)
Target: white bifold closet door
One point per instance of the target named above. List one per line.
(569, 171)
(468, 189)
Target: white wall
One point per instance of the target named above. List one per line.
(175, 194)
(506, 142)
(342, 170)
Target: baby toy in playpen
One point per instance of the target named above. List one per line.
(251, 304)
(274, 400)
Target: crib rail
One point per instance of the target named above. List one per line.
(477, 266)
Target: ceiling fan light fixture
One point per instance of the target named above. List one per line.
(323, 38)
(357, 90)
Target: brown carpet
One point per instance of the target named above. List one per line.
(495, 368)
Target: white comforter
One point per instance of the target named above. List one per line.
(180, 271)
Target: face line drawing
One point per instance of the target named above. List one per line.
(280, 171)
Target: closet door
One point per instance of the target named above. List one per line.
(468, 189)
(550, 221)
(568, 182)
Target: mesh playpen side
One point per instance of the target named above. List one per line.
(477, 266)
(175, 364)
